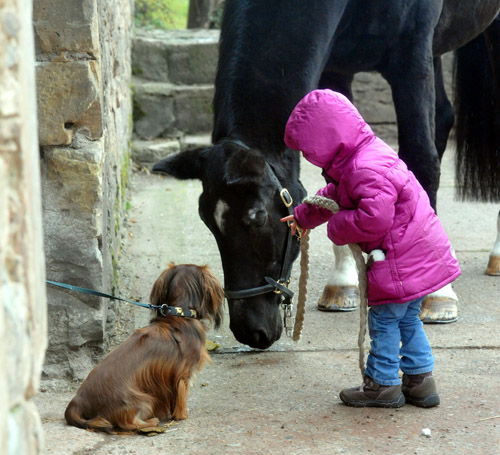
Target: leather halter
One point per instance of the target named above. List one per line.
(279, 286)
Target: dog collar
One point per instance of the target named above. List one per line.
(166, 310)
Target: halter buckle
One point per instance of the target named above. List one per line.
(283, 283)
(286, 197)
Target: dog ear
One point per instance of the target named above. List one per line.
(159, 291)
(213, 296)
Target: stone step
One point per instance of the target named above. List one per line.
(147, 153)
(167, 110)
(177, 56)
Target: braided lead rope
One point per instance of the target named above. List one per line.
(304, 275)
(363, 305)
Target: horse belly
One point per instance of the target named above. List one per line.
(351, 56)
(462, 21)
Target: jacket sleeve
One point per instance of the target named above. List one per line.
(309, 216)
(374, 197)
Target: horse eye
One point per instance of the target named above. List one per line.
(255, 217)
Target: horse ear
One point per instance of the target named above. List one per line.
(185, 165)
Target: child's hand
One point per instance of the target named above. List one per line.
(294, 226)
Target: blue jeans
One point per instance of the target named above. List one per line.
(393, 325)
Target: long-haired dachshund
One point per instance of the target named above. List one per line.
(146, 379)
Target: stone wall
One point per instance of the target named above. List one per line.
(84, 112)
(22, 277)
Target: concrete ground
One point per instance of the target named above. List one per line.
(285, 400)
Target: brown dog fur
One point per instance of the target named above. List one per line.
(146, 379)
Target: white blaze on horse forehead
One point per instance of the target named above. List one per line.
(220, 209)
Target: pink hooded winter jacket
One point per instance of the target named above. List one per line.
(382, 204)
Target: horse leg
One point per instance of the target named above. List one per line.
(341, 292)
(444, 110)
(410, 73)
(441, 306)
(414, 101)
(338, 82)
(494, 262)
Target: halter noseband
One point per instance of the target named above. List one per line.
(279, 286)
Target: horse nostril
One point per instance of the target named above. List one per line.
(257, 339)
(260, 340)
(255, 322)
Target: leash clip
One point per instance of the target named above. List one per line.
(288, 319)
(164, 310)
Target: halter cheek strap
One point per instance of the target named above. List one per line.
(279, 286)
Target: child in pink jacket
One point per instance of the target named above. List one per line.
(383, 207)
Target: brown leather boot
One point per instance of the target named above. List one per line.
(420, 390)
(371, 394)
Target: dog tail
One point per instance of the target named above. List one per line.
(73, 416)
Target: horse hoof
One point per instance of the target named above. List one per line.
(339, 298)
(439, 310)
(493, 266)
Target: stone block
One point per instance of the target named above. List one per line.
(166, 110)
(178, 56)
(154, 113)
(193, 109)
(4, 397)
(66, 26)
(81, 363)
(72, 322)
(373, 97)
(72, 212)
(9, 92)
(16, 322)
(150, 61)
(148, 153)
(194, 64)
(25, 430)
(76, 178)
(69, 100)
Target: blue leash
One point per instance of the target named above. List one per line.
(164, 309)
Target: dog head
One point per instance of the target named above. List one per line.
(190, 286)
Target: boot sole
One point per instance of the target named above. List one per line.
(427, 402)
(396, 403)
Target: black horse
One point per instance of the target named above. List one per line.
(271, 55)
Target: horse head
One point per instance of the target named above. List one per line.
(242, 206)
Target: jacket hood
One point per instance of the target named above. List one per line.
(326, 127)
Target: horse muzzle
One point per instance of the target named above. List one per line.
(256, 321)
